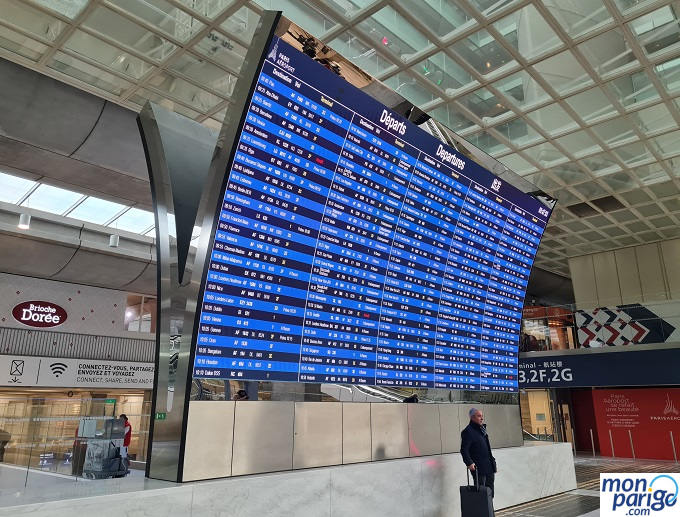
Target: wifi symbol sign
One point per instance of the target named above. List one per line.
(58, 369)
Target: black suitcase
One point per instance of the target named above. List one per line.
(476, 501)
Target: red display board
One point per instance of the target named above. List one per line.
(646, 416)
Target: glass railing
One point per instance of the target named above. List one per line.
(219, 389)
(45, 435)
(595, 325)
(538, 435)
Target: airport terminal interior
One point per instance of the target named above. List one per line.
(305, 257)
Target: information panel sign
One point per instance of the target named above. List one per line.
(354, 247)
(62, 372)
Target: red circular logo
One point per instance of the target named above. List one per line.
(39, 314)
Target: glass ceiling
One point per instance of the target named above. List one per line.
(579, 96)
(89, 209)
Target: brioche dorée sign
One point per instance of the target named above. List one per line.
(39, 314)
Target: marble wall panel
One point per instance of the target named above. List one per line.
(408, 487)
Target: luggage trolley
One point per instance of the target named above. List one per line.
(102, 456)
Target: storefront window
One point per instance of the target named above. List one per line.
(40, 429)
(148, 323)
(546, 415)
(537, 422)
(140, 313)
(547, 328)
(133, 311)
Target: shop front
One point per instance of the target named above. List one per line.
(39, 427)
(72, 358)
(547, 328)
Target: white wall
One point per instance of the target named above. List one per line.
(91, 310)
(640, 274)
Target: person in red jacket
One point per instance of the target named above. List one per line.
(126, 440)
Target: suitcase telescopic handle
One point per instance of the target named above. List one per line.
(476, 478)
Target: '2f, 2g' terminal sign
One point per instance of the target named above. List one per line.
(534, 373)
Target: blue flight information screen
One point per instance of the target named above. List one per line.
(354, 247)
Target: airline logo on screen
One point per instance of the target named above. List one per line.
(638, 494)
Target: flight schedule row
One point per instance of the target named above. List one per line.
(345, 254)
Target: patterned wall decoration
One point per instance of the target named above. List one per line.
(630, 324)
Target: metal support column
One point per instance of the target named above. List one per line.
(188, 169)
(592, 442)
(632, 449)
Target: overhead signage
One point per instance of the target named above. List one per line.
(39, 314)
(354, 247)
(648, 367)
(28, 371)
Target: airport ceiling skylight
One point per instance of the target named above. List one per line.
(578, 96)
(68, 203)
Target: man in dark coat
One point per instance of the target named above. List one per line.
(476, 450)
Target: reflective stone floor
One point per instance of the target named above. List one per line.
(17, 486)
(585, 501)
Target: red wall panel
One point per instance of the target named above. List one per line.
(583, 414)
(647, 415)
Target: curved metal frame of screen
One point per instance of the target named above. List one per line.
(187, 173)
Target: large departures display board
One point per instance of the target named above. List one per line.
(354, 247)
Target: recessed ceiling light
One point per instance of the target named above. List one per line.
(24, 221)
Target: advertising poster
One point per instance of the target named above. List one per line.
(645, 417)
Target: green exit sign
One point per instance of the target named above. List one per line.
(110, 401)
(161, 416)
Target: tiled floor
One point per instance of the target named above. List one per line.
(561, 505)
(588, 469)
(585, 501)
